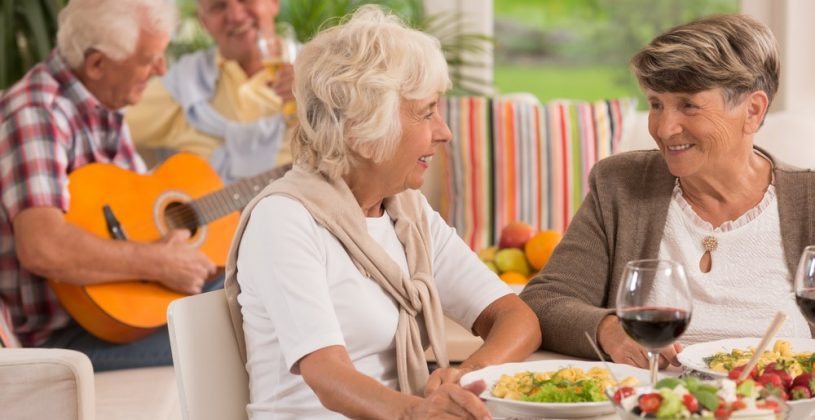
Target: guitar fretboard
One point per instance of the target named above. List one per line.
(220, 203)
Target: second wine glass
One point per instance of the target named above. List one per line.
(654, 305)
(805, 284)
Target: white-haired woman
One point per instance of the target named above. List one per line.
(344, 272)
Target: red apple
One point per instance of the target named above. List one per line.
(515, 235)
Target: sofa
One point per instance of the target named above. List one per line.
(60, 384)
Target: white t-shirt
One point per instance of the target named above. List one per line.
(301, 292)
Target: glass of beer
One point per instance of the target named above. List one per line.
(275, 51)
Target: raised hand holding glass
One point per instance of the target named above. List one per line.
(654, 305)
(276, 50)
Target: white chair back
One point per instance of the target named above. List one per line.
(212, 380)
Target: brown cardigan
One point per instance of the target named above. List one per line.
(622, 219)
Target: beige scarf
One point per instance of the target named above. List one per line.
(334, 207)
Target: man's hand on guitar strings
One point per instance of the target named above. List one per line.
(186, 268)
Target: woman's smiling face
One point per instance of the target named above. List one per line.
(698, 133)
(423, 129)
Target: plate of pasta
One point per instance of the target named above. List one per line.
(553, 388)
(717, 358)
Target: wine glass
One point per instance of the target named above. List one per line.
(277, 49)
(654, 305)
(805, 284)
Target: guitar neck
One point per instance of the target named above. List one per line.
(233, 197)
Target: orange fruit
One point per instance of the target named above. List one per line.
(513, 277)
(539, 248)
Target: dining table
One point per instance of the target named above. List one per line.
(461, 343)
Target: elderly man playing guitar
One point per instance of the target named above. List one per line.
(66, 113)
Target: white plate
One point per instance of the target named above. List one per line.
(693, 355)
(491, 374)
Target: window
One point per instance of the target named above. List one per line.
(579, 49)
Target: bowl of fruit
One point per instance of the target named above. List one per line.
(691, 398)
(520, 253)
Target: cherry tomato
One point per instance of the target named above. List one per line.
(690, 403)
(649, 403)
(721, 413)
(621, 393)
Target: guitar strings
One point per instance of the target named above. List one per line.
(210, 206)
(202, 210)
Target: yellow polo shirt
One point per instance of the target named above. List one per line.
(158, 121)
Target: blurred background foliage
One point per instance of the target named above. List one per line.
(579, 49)
(309, 16)
(27, 30)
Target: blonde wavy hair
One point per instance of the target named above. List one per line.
(350, 81)
(733, 52)
(110, 26)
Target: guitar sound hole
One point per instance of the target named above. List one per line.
(181, 216)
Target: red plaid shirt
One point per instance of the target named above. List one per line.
(51, 125)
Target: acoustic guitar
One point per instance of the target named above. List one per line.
(111, 202)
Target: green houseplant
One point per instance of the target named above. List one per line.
(27, 34)
(308, 17)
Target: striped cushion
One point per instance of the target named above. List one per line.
(513, 158)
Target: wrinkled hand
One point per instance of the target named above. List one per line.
(616, 343)
(185, 268)
(442, 376)
(283, 81)
(451, 401)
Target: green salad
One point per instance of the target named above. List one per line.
(567, 385)
(565, 392)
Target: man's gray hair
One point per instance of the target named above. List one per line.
(110, 26)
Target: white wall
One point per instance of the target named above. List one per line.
(791, 22)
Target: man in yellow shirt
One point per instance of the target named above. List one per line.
(220, 103)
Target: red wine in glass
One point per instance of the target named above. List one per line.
(654, 305)
(654, 327)
(806, 303)
(805, 284)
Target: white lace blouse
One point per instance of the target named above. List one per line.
(748, 281)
